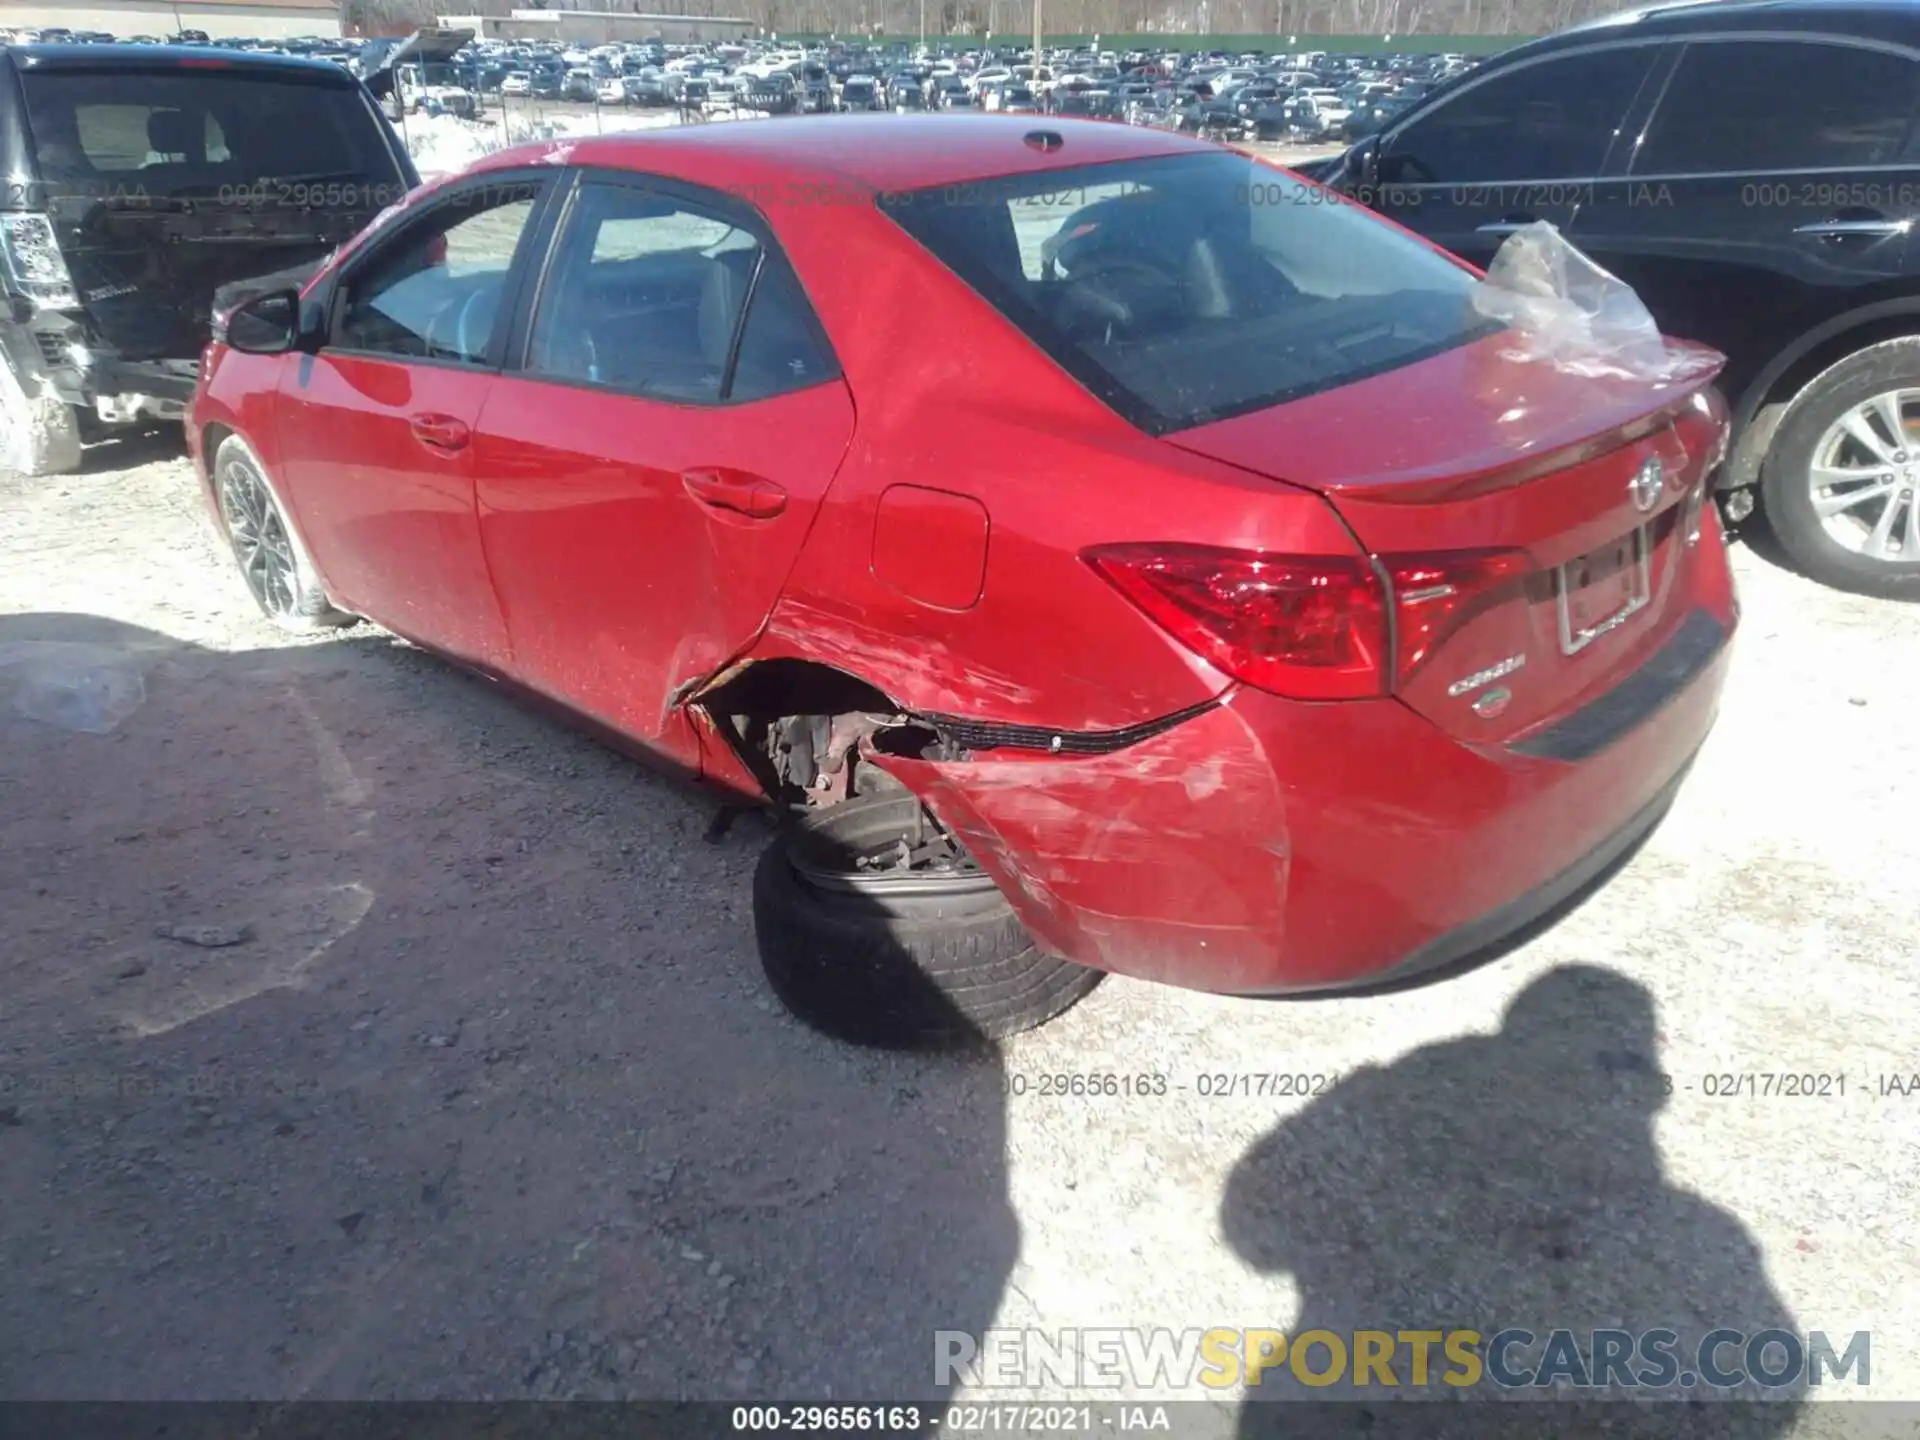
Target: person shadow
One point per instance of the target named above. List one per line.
(398, 1043)
(1496, 1182)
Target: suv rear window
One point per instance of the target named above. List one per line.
(1188, 289)
(203, 132)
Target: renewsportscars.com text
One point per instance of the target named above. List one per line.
(1220, 1358)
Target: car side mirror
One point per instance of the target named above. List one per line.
(266, 324)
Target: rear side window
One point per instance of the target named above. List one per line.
(647, 294)
(206, 133)
(1741, 106)
(1192, 288)
(1550, 120)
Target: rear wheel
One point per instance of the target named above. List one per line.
(272, 561)
(39, 433)
(1841, 485)
(877, 928)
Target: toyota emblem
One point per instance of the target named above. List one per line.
(1647, 483)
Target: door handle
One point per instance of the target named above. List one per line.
(735, 490)
(1877, 227)
(1504, 227)
(440, 432)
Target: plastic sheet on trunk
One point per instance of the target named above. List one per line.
(1566, 311)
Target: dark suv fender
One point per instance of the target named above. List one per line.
(1756, 417)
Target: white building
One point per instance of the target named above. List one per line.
(221, 19)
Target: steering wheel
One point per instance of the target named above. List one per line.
(1135, 274)
(1111, 292)
(463, 326)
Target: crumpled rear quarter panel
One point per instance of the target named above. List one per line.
(1159, 861)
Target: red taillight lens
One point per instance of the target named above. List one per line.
(1311, 627)
(1434, 595)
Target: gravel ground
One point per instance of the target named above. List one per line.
(364, 1034)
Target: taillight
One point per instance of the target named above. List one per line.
(33, 261)
(1434, 595)
(1312, 627)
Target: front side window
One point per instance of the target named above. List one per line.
(647, 293)
(1188, 289)
(1550, 120)
(1741, 106)
(437, 291)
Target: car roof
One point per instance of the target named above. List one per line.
(198, 58)
(884, 152)
(1892, 20)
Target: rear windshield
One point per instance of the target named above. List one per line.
(204, 133)
(1187, 289)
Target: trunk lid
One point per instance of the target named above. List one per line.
(1535, 482)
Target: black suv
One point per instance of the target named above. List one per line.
(1753, 171)
(142, 179)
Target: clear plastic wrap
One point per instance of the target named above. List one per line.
(1564, 310)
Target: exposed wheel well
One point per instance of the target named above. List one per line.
(799, 725)
(1756, 435)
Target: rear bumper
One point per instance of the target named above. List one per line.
(1267, 846)
(55, 347)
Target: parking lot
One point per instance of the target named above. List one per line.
(366, 1034)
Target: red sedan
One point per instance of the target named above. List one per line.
(1108, 553)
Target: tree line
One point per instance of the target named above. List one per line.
(1014, 18)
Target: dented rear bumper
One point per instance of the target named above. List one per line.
(1265, 846)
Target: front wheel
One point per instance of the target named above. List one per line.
(877, 928)
(1841, 484)
(272, 561)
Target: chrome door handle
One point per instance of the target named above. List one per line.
(1839, 229)
(439, 432)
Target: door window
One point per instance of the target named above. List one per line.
(1740, 106)
(647, 295)
(437, 291)
(1552, 120)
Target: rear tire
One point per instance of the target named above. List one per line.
(1804, 440)
(39, 433)
(940, 963)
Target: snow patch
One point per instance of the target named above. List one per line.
(442, 144)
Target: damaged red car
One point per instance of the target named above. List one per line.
(1108, 553)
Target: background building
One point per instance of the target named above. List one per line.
(262, 19)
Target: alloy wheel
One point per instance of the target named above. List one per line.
(1865, 478)
(260, 540)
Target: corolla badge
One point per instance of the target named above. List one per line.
(1466, 684)
(1647, 483)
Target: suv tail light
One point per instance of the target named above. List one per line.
(1310, 627)
(34, 263)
